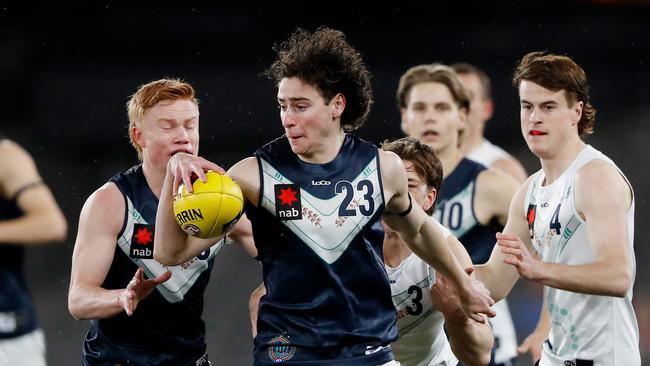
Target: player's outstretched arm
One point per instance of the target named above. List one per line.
(604, 208)
(496, 274)
(470, 341)
(422, 234)
(242, 234)
(172, 246)
(42, 220)
(100, 222)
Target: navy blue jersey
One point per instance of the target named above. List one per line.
(166, 328)
(318, 231)
(455, 210)
(17, 313)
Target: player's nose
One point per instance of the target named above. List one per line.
(182, 136)
(288, 120)
(535, 116)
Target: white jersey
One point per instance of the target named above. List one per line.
(487, 153)
(421, 340)
(584, 327)
(503, 330)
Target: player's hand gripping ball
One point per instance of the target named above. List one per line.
(212, 209)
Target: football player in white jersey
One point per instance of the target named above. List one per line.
(425, 300)
(473, 200)
(478, 148)
(565, 231)
(481, 106)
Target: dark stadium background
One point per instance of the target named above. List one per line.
(66, 72)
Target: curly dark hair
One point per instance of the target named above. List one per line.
(557, 72)
(325, 60)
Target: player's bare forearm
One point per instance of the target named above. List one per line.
(91, 302)
(596, 278)
(42, 220)
(423, 236)
(608, 275)
(172, 246)
(169, 240)
(497, 276)
(471, 341)
(428, 243)
(34, 229)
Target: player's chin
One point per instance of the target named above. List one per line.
(298, 146)
(536, 147)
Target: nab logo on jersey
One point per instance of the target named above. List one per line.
(287, 202)
(142, 241)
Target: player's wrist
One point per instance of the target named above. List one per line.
(540, 272)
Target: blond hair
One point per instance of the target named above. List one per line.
(150, 94)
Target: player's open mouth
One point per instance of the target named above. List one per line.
(430, 134)
(536, 133)
(180, 150)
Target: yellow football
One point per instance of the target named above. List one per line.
(212, 209)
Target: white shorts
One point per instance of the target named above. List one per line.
(26, 350)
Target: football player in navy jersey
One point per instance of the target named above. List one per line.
(315, 199)
(142, 312)
(473, 200)
(29, 215)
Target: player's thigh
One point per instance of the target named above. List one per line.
(28, 350)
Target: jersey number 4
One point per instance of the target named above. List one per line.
(555, 221)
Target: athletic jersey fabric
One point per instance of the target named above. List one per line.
(166, 328)
(455, 210)
(602, 329)
(487, 153)
(421, 340)
(319, 237)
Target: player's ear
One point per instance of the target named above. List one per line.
(576, 112)
(403, 123)
(462, 114)
(488, 109)
(430, 199)
(136, 134)
(338, 105)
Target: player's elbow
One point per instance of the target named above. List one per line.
(52, 226)
(622, 283)
(59, 229)
(74, 306)
(166, 258)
